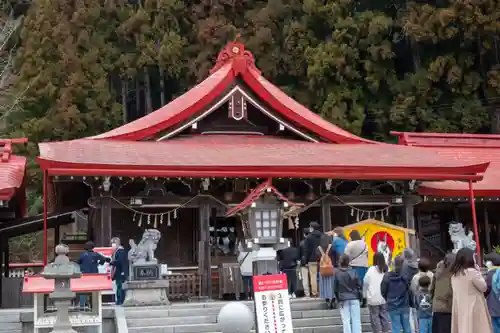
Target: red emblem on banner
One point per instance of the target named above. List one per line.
(381, 238)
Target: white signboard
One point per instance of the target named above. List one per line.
(272, 304)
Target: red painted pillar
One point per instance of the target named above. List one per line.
(45, 257)
(474, 221)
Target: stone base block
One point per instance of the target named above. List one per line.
(146, 293)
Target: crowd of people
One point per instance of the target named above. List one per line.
(408, 297)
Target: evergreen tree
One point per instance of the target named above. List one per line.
(352, 69)
(65, 61)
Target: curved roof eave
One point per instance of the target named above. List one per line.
(233, 61)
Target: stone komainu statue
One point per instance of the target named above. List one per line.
(144, 252)
(460, 238)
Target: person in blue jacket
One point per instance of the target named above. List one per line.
(339, 241)
(120, 269)
(395, 289)
(89, 262)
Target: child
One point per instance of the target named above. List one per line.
(379, 317)
(348, 293)
(396, 291)
(424, 269)
(423, 304)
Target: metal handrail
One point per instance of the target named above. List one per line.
(433, 245)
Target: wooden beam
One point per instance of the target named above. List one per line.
(173, 201)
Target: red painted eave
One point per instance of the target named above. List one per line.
(12, 174)
(260, 157)
(233, 62)
(469, 148)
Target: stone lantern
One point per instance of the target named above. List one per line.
(262, 216)
(62, 270)
(265, 228)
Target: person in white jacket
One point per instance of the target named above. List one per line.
(379, 316)
(245, 260)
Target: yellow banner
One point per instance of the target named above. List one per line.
(382, 237)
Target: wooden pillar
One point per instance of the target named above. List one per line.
(104, 229)
(326, 216)
(57, 235)
(409, 202)
(204, 258)
(5, 252)
(487, 228)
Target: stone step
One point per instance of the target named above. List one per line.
(175, 312)
(212, 328)
(298, 302)
(9, 327)
(326, 320)
(210, 307)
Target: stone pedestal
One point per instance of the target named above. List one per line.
(146, 293)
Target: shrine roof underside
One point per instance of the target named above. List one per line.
(467, 148)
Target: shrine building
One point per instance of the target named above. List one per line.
(181, 168)
(447, 201)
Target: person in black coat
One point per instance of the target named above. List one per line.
(312, 241)
(348, 291)
(288, 259)
(304, 270)
(120, 270)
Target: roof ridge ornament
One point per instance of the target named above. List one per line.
(6, 150)
(240, 57)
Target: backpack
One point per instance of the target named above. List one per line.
(425, 302)
(325, 262)
(495, 283)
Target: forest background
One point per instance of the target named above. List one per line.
(73, 68)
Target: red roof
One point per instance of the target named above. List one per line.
(12, 169)
(467, 148)
(249, 156)
(233, 62)
(255, 194)
(88, 282)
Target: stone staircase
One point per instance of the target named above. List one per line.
(309, 316)
(10, 322)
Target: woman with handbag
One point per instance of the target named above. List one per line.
(357, 250)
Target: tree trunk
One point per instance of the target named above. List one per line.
(138, 95)
(147, 91)
(124, 99)
(162, 87)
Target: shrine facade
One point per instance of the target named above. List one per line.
(181, 168)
